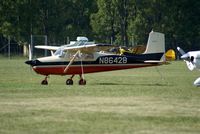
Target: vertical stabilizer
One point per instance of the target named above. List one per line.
(156, 43)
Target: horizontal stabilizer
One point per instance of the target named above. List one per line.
(153, 61)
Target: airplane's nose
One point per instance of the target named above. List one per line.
(32, 62)
(185, 57)
(29, 62)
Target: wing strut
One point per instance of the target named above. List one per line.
(82, 80)
(71, 61)
(82, 75)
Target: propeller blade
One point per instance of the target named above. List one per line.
(29, 52)
(180, 50)
(190, 65)
(197, 82)
(188, 58)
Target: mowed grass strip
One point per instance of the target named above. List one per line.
(147, 100)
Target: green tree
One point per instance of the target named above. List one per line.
(112, 20)
(125, 12)
(104, 21)
(119, 20)
(54, 18)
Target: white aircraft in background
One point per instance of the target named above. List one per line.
(192, 59)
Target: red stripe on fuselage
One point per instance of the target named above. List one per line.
(59, 70)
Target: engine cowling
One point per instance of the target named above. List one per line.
(192, 60)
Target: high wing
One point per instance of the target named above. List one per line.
(89, 48)
(51, 48)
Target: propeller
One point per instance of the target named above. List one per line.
(187, 58)
(190, 65)
(29, 52)
(29, 61)
(197, 82)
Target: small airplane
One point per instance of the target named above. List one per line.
(81, 56)
(192, 59)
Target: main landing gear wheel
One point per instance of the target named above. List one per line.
(82, 82)
(69, 82)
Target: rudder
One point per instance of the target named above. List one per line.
(156, 43)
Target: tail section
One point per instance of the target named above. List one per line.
(156, 43)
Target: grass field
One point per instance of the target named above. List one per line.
(141, 101)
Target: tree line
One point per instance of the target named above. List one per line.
(122, 22)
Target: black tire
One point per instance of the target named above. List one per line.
(44, 82)
(69, 82)
(82, 82)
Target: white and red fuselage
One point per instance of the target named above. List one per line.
(55, 65)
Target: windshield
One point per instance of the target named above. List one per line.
(59, 52)
(81, 43)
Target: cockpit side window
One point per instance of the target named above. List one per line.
(59, 52)
(82, 43)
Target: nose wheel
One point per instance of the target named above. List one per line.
(69, 82)
(45, 81)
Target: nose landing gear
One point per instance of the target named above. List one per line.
(70, 81)
(45, 81)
